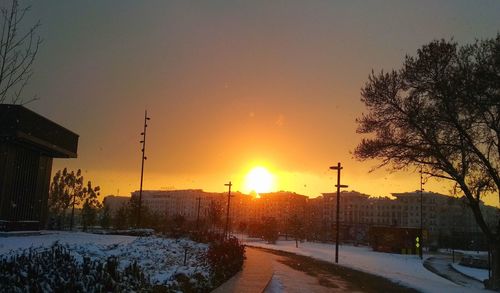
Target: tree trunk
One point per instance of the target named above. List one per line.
(494, 282)
(72, 215)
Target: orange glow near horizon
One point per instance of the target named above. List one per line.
(259, 180)
(230, 87)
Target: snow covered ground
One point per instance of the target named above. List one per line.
(478, 274)
(160, 258)
(163, 258)
(403, 269)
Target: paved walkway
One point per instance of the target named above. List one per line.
(290, 279)
(255, 275)
(441, 265)
(266, 272)
(262, 272)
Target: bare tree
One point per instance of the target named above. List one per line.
(18, 50)
(441, 112)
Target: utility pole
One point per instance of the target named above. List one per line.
(143, 142)
(226, 230)
(337, 225)
(198, 214)
(421, 216)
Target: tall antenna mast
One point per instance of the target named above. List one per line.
(143, 142)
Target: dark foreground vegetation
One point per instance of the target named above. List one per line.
(54, 269)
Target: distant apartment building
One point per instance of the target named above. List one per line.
(114, 202)
(356, 210)
(243, 208)
(170, 203)
(281, 205)
(442, 216)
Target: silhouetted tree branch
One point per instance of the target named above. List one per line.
(441, 111)
(17, 53)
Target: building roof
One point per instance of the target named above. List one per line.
(22, 126)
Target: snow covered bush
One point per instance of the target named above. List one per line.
(184, 283)
(205, 236)
(225, 258)
(54, 269)
(85, 262)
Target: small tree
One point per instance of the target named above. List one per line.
(66, 190)
(255, 229)
(152, 219)
(133, 208)
(105, 217)
(18, 50)
(441, 112)
(59, 197)
(296, 227)
(179, 225)
(121, 220)
(91, 206)
(270, 230)
(242, 226)
(214, 213)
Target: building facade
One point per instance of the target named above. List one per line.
(28, 144)
(444, 219)
(186, 203)
(115, 202)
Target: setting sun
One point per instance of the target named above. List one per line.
(259, 180)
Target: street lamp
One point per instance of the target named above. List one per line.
(226, 230)
(421, 248)
(338, 168)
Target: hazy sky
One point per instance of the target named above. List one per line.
(230, 85)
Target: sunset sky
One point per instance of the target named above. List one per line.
(230, 85)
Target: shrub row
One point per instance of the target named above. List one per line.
(55, 270)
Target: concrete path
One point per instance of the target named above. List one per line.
(441, 265)
(255, 275)
(289, 280)
(265, 272)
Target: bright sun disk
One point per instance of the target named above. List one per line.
(259, 180)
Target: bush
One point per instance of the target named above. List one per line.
(270, 230)
(56, 270)
(205, 236)
(225, 258)
(184, 283)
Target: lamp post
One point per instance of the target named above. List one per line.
(421, 248)
(143, 142)
(226, 230)
(198, 215)
(338, 168)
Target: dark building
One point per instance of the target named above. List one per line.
(28, 142)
